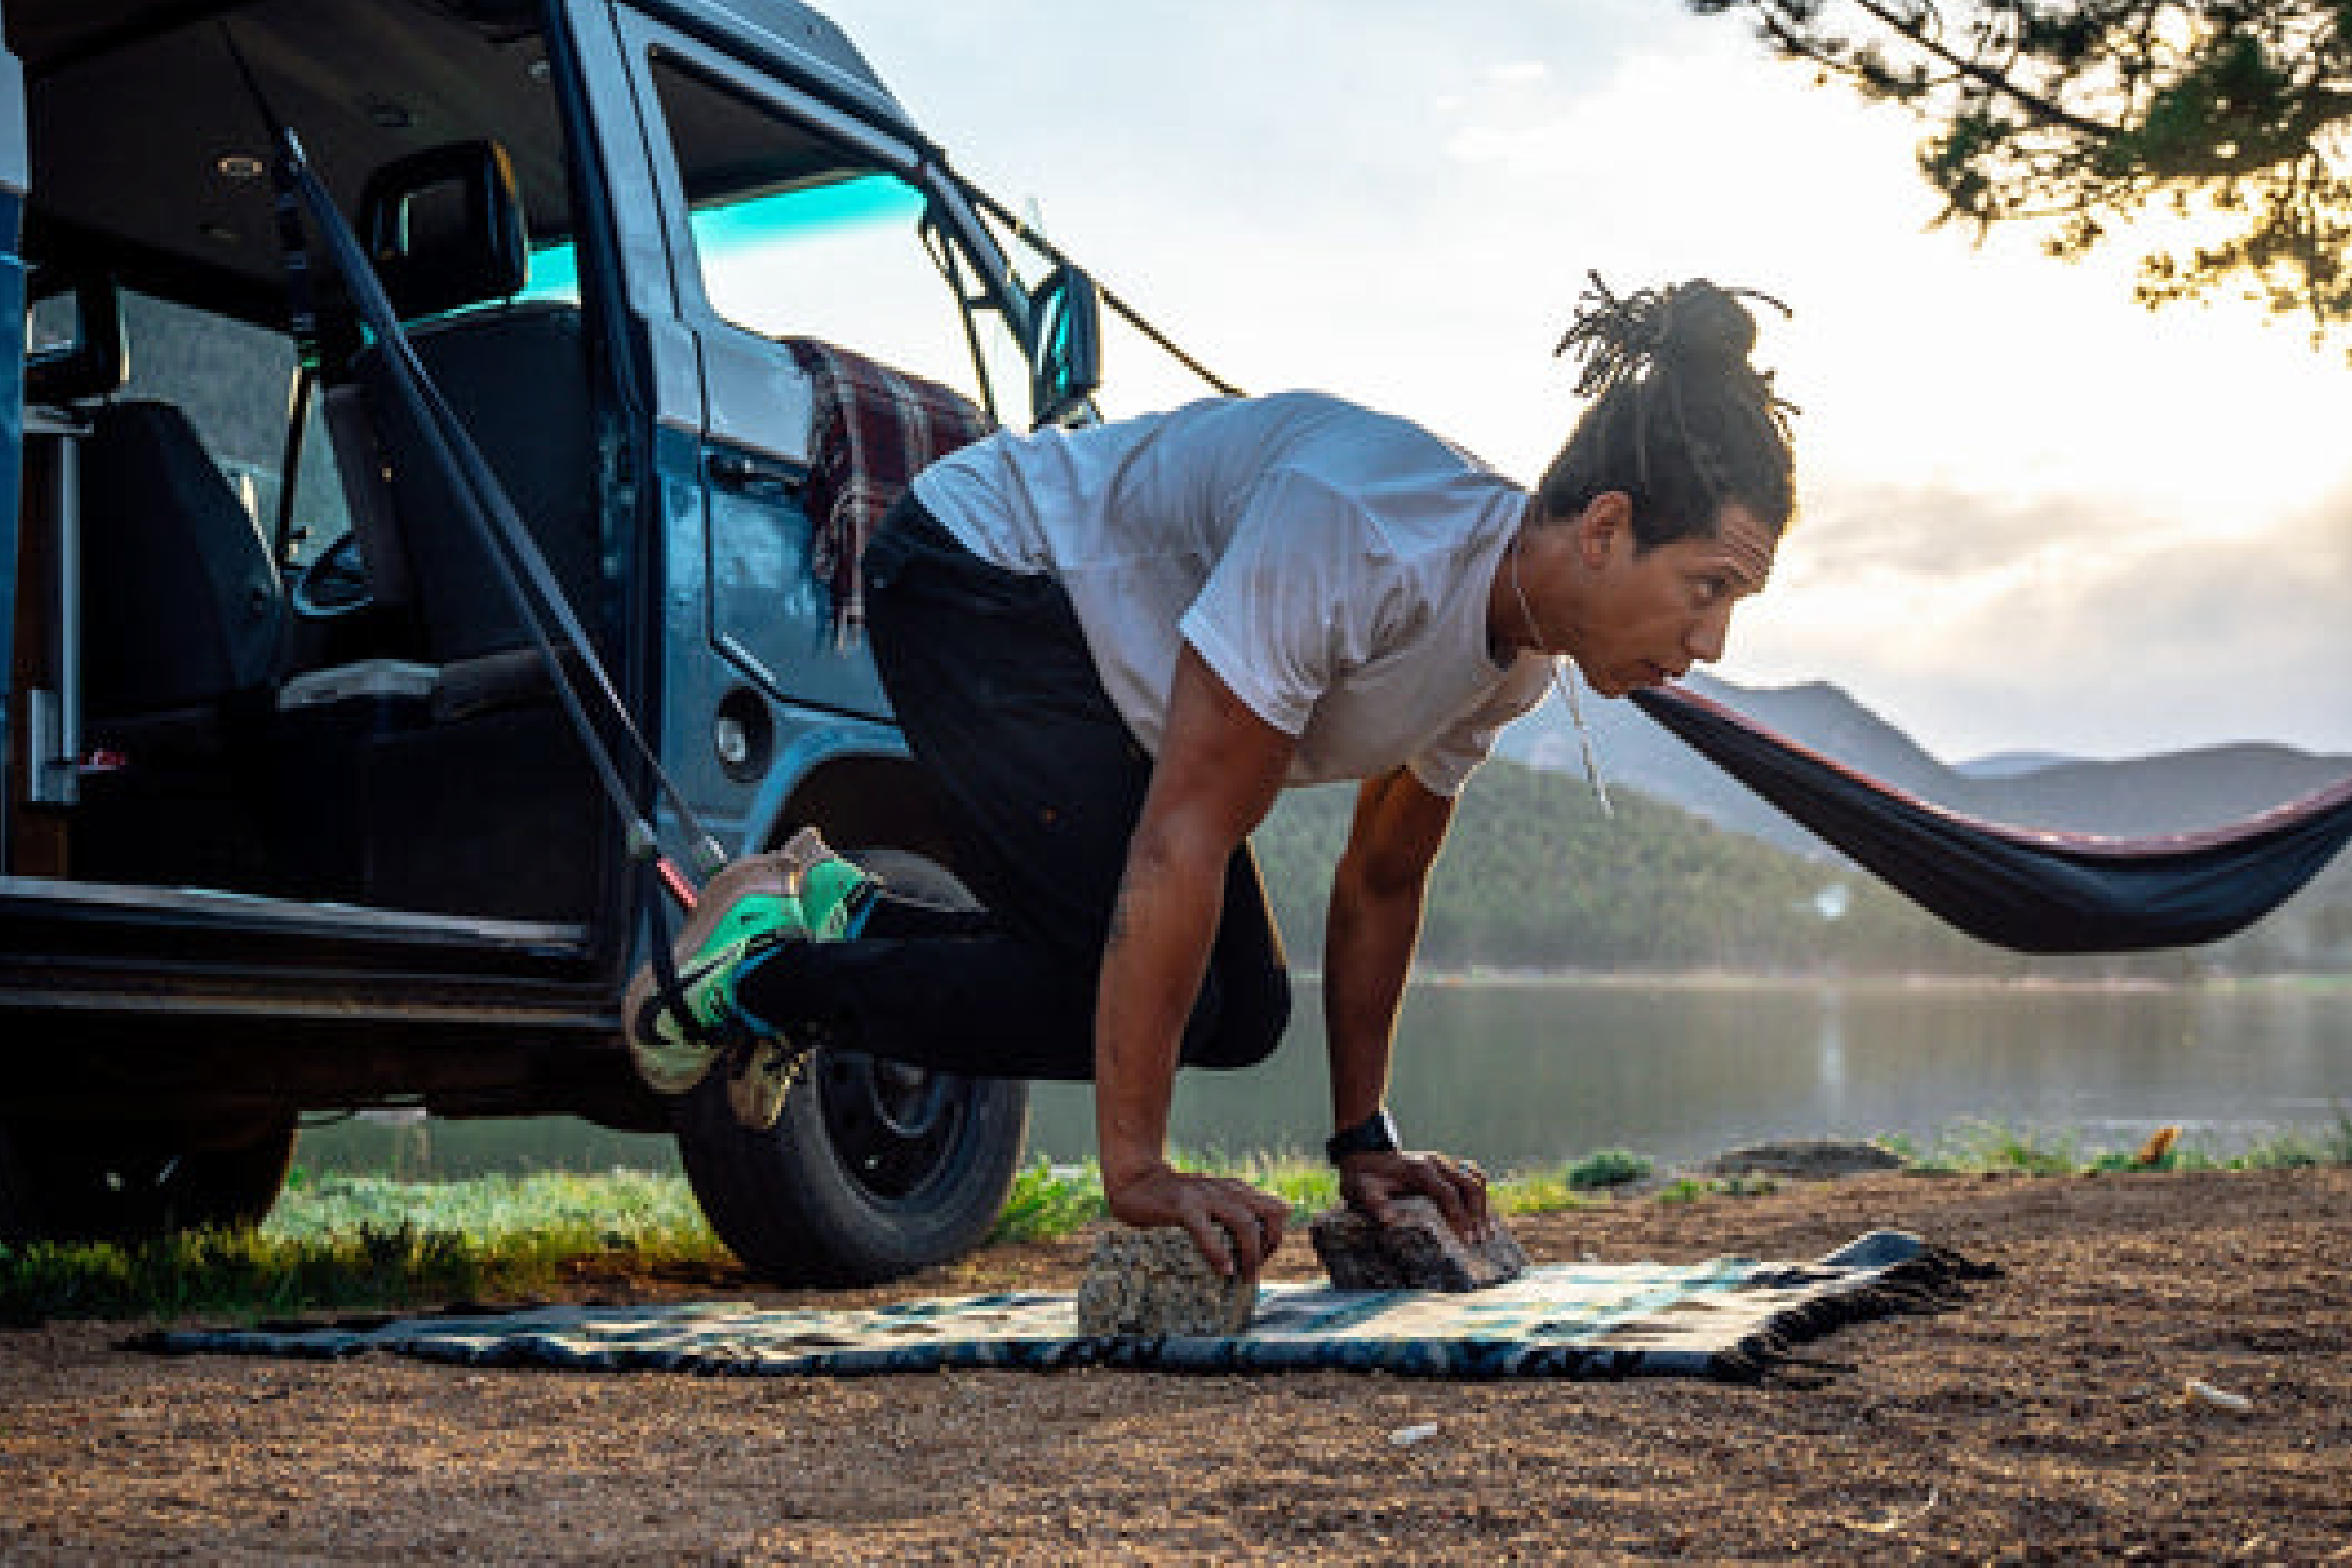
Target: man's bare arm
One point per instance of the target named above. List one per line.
(1219, 768)
(1369, 939)
(1370, 933)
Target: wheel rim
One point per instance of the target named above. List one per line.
(894, 1129)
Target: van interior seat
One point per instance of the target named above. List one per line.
(181, 604)
(445, 230)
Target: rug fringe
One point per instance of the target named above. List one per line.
(1937, 1280)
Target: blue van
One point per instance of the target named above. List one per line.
(295, 820)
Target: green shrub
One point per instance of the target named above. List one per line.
(1608, 1168)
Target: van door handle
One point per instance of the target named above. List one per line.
(742, 471)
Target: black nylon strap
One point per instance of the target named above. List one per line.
(668, 995)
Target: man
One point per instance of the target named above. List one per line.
(1111, 648)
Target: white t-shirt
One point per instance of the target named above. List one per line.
(1330, 564)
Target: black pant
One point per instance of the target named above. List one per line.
(1042, 783)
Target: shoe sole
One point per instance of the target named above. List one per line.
(756, 1092)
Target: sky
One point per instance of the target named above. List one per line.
(2034, 516)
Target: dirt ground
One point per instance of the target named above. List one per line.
(2043, 1421)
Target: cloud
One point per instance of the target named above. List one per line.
(1939, 531)
(1985, 626)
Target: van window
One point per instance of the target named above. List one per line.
(797, 237)
(233, 381)
(554, 273)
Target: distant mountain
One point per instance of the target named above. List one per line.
(2176, 791)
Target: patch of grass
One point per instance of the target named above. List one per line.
(337, 1243)
(1690, 1189)
(1747, 1184)
(1306, 1183)
(2338, 1142)
(1988, 1146)
(634, 1210)
(1051, 1200)
(1684, 1190)
(1983, 1146)
(242, 1272)
(1538, 1193)
(1980, 1146)
(2299, 1151)
(1047, 1201)
(2289, 1151)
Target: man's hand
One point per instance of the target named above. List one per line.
(1236, 1226)
(1371, 1182)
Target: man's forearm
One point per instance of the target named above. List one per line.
(1369, 937)
(1368, 946)
(1162, 930)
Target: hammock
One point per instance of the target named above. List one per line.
(2031, 891)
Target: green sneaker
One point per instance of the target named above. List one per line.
(835, 894)
(749, 906)
(833, 897)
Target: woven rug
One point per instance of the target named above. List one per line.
(1728, 1318)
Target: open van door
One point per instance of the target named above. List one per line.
(14, 174)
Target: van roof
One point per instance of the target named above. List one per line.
(147, 84)
(44, 34)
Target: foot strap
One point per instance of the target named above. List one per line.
(669, 996)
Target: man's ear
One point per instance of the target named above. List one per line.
(1605, 517)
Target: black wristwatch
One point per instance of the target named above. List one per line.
(1375, 1134)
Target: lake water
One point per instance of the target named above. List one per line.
(1523, 1074)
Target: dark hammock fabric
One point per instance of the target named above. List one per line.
(2031, 891)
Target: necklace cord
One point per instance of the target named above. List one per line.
(1565, 684)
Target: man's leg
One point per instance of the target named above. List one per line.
(951, 990)
(1042, 785)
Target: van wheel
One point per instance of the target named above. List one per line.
(131, 1181)
(875, 1169)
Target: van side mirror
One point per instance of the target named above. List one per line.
(1065, 344)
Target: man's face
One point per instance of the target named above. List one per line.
(1666, 609)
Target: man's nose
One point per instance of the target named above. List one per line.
(1709, 634)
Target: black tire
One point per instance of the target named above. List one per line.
(875, 1169)
(133, 1182)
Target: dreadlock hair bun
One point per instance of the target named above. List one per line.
(1703, 328)
(1696, 327)
(1680, 421)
